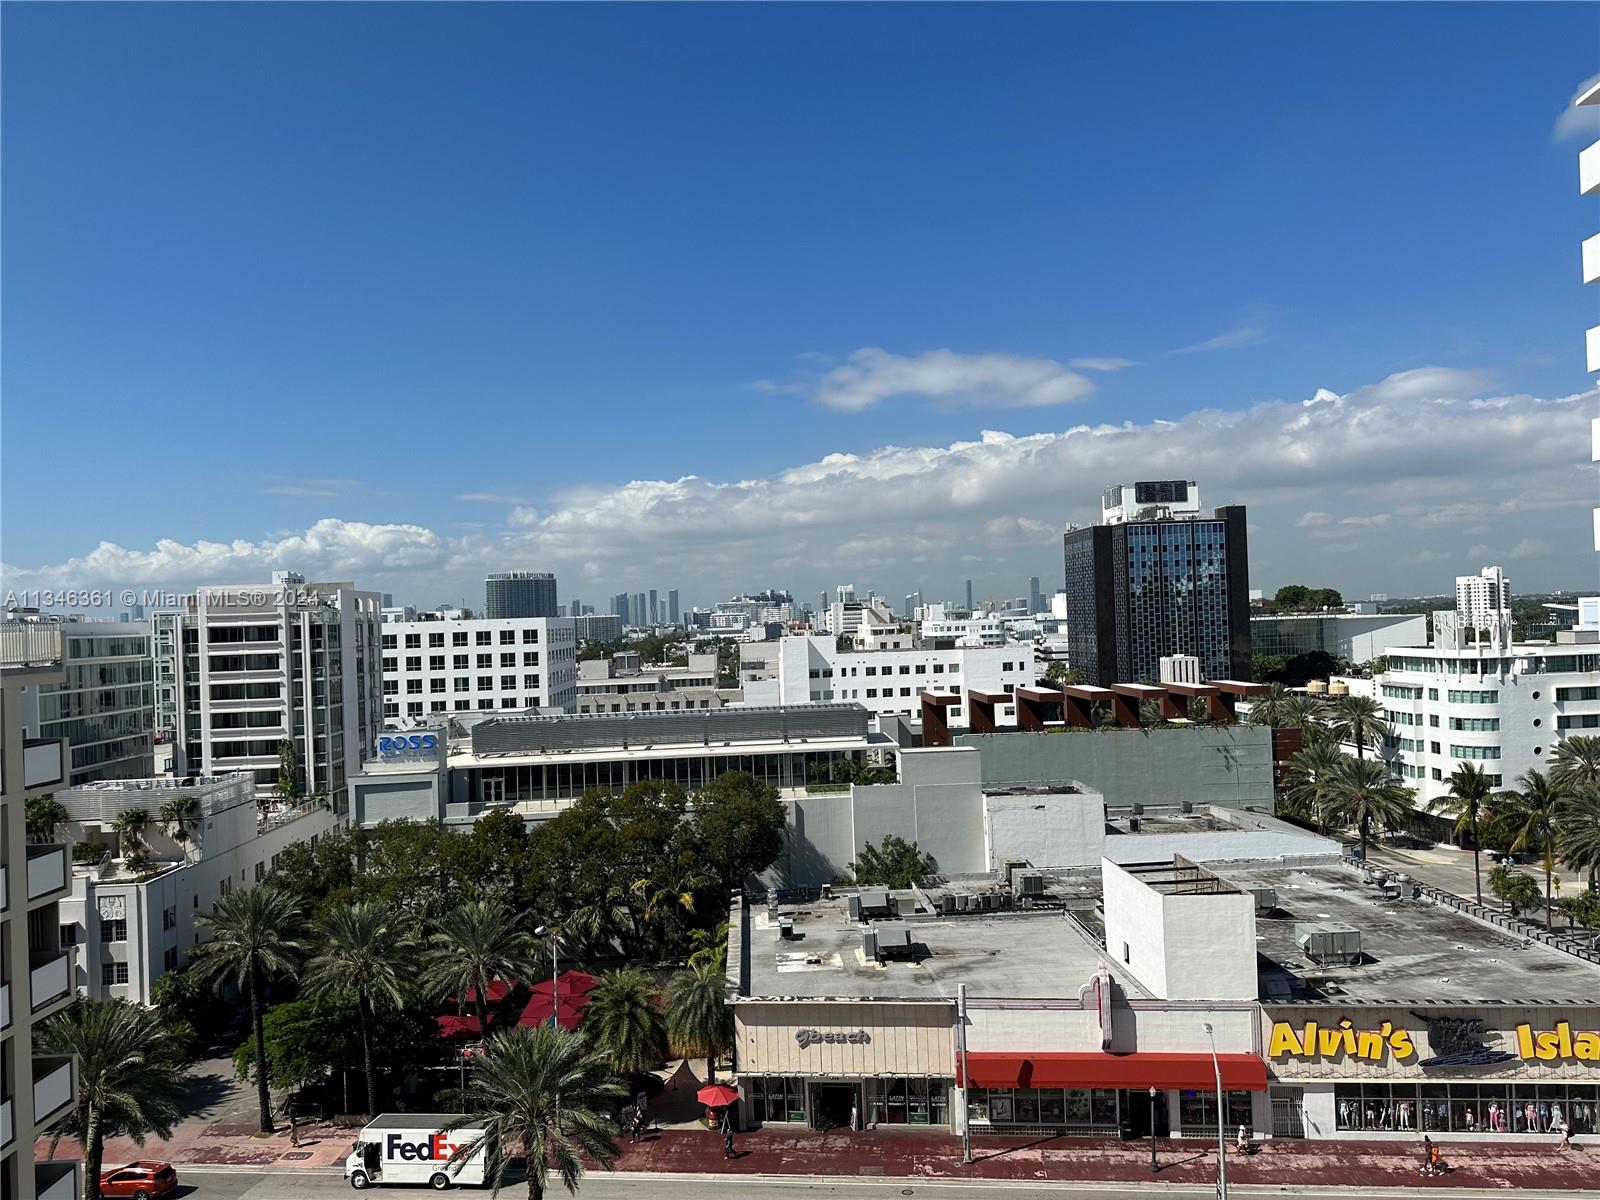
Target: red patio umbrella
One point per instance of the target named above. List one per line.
(458, 1025)
(573, 983)
(717, 1095)
(539, 1010)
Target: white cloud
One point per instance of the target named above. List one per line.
(1576, 122)
(870, 376)
(1389, 470)
(1239, 335)
(1102, 364)
(490, 498)
(295, 485)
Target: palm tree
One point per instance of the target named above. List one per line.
(255, 937)
(130, 826)
(1311, 775)
(624, 1021)
(1268, 709)
(477, 943)
(128, 1080)
(1304, 712)
(1535, 813)
(546, 1094)
(1357, 719)
(362, 953)
(699, 1022)
(1576, 761)
(708, 944)
(1362, 793)
(43, 817)
(1469, 793)
(1578, 833)
(180, 817)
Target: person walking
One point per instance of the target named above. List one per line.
(1427, 1155)
(1435, 1160)
(727, 1134)
(1565, 1131)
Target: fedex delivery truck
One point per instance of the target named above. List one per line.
(414, 1148)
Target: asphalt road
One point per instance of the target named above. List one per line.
(237, 1184)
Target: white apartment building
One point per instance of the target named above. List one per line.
(129, 926)
(1483, 601)
(240, 669)
(621, 684)
(936, 627)
(449, 664)
(35, 970)
(811, 669)
(1589, 185)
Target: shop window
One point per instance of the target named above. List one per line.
(1467, 1107)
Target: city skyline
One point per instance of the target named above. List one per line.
(1332, 344)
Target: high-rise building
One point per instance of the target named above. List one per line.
(37, 1088)
(510, 594)
(105, 705)
(969, 595)
(445, 663)
(621, 608)
(1483, 599)
(673, 615)
(241, 670)
(574, 608)
(655, 608)
(641, 614)
(1035, 596)
(1146, 584)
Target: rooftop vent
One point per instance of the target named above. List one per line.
(1329, 942)
(875, 901)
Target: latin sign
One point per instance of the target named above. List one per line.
(814, 1037)
(1343, 1040)
(401, 745)
(1561, 1044)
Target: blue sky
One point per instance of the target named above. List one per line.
(283, 283)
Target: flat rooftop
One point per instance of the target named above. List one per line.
(735, 725)
(1413, 951)
(1040, 953)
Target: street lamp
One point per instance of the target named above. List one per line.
(1222, 1143)
(1153, 1167)
(555, 971)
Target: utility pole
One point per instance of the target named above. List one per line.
(1222, 1140)
(966, 1078)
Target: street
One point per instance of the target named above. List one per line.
(226, 1183)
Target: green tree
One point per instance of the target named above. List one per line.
(1268, 709)
(320, 875)
(130, 827)
(179, 818)
(624, 1021)
(1469, 794)
(255, 938)
(1357, 719)
(43, 817)
(364, 955)
(288, 785)
(1312, 772)
(1517, 891)
(708, 945)
(1575, 762)
(129, 1082)
(737, 828)
(894, 863)
(1291, 596)
(1578, 834)
(1362, 793)
(1581, 909)
(1534, 810)
(546, 1095)
(1058, 674)
(699, 1021)
(477, 943)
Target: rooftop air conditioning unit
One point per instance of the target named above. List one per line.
(1327, 942)
(786, 928)
(894, 940)
(875, 900)
(869, 944)
(963, 903)
(853, 906)
(1266, 899)
(1030, 883)
(947, 904)
(1138, 810)
(905, 906)
(1133, 824)
(1186, 807)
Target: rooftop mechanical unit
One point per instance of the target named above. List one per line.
(893, 940)
(1266, 898)
(875, 902)
(853, 907)
(905, 906)
(1328, 942)
(1029, 883)
(786, 928)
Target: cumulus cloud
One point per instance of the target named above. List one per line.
(1239, 335)
(1575, 121)
(491, 498)
(1379, 475)
(870, 376)
(1102, 364)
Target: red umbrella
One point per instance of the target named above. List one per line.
(573, 983)
(540, 1009)
(499, 989)
(717, 1095)
(453, 1025)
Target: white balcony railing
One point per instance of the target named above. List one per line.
(49, 981)
(6, 1126)
(52, 1091)
(42, 762)
(56, 1180)
(29, 644)
(47, 871)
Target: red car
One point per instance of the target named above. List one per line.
(141, 1180)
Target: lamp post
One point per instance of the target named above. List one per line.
(1222, 1141)
(555, 971)
(1153, 1167)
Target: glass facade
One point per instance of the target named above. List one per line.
(776, 1098)
(105, 707)
(1197, 1110)
(1467, 1107)
(569, 780)
(1074, 1110)
(898, 1100)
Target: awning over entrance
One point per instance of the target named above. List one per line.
(1240, 1072)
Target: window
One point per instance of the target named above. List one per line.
(413, 662)
(508, 637)
(69, 934)
(1475, 724)
(485, 702)
(530, 637)
(169, 959)
(389, 642)
(414, 709)
(1472, 697)
(462, 684)
(458, 637)
(508, 660)
(113, 930)
(460, 662)
(905, 691)
(113, 973)
(872, 693)
(391, 710)
(436, 685)
(530, 658)
(484, 638)
(169, 917)
(508, 683)
(463, 705)
(530, 683)
(508, 702)
(1433, 693)
(485, 661)
(413, 687)
(436, 641)
(413, 641)
(872, 670)
(261, 871)
(391, 664)
(1474, 751)
(486, 683)
(1577, 693)
(391, 687)
(905, 670)
(435, 662)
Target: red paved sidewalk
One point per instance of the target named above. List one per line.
(911, 1153)
(906, 1153)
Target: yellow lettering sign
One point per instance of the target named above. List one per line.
(1343, 1040)
(1562, 1043)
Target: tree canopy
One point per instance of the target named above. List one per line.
(894, 863)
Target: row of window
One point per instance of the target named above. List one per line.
(458, 637)
(906, 669)
(1467, 1107)
(508, 683)
(460, 662)
(1474, 751)
(1577, 693)
(1476, 724)
(1458, 696)
(414, 708)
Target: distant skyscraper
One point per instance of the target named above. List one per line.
(574, 608)
(655, 608)
(1148, 585)
(672, 607)
(512, 594)
(619, 606)
(969, 595)
(641, 614)
(1035, 596)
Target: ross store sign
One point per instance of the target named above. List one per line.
(1343, 1040)
(400, 746)
(1562, 1043)
(816, 1037)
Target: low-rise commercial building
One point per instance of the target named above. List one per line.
(1352, 637)
(444, 663)
(621, 684)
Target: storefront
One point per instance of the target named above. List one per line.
(1382, 1071)
(844, 1064)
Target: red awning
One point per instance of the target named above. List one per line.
(1240, 1072)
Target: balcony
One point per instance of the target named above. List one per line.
(55, 1180)
(5, 1006)
(49, 978)
(43, 762)
(47, 872)
(52, 1088)
(7, 1128)
(1589, 171)
(27, 644)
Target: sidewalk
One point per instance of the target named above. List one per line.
(912, 1153)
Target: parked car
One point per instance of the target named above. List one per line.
(141, 1180)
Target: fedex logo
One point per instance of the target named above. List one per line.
(407, 746)
(436, 1148)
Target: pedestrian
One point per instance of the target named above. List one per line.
(1427, 1155)
(641, 1118)
(630, 1120)
(1435, 1160)
(1565, 1131)
(727, 1134)
(1243, 1141)
(294, 1131)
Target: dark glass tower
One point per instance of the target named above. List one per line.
(1143, 589)
(519, 594)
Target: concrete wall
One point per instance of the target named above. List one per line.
(1060, 1025)
(891, 1038)
(1228, 765)
(1225, 846)
(1057, 830)
(1181, 947)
